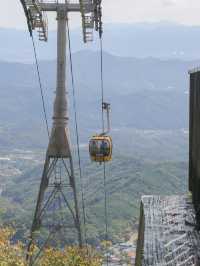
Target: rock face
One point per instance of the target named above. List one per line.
(167, 232)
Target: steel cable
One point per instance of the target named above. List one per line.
(40, 85)
(104, 163)
(77, 131)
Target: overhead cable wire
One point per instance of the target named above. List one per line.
(40, 85)
(77, 131)
(104, 163)
(102, 84)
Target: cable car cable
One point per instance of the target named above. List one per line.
(77, 132)
(102, 84)
(40, 85)
(106, 208)
(104, 163)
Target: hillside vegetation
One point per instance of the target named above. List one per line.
(149, 99)
(127, 178)
(14, 254)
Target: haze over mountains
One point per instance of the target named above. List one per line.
(146, 81)
(160, 40)
(146, 95)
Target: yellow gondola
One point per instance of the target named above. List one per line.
(100, 148)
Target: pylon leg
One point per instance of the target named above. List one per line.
(57, 206)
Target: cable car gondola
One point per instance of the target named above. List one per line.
(100, 146)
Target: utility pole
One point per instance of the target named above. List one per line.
(57, 198)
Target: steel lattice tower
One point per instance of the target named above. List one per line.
(57, 207)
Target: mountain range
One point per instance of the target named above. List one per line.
(147, 84)
(161, 40)
(149, 99)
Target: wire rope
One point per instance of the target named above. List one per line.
(40, 85)
(104, 163)
(77, 132)
(102, 83)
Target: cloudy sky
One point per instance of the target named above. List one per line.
(118, 11)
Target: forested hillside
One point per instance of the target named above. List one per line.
(128, 178)
(149, 100)
(145, 95)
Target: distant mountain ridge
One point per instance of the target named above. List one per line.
(149, 100)
(160, 40)
(142, 88)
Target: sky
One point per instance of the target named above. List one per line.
(117, 11)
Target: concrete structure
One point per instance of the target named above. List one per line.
(169, 226)
(194, 139)
(167, 233)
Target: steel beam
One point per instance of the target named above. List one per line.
(69, 7)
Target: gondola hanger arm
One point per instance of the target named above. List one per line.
(106, 109)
